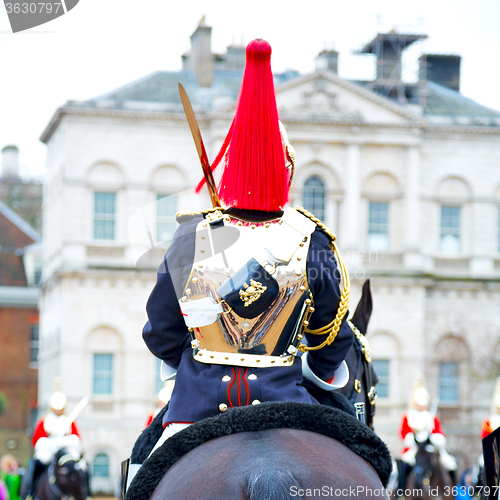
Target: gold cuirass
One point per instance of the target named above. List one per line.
(264, 267)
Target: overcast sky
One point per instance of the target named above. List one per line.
(104, 44)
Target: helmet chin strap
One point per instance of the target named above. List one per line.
(289, 154)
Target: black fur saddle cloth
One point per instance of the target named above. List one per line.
(316, 418)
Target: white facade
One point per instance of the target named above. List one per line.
(431, 305)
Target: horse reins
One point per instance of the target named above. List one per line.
(364, 358)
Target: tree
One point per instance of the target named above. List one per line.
(3, 404)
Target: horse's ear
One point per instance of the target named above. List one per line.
(363, 311)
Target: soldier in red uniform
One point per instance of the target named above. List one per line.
(52, 432)
(163, 398)
(419, 423)
(493, 421)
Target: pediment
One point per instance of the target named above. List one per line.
(325, 97)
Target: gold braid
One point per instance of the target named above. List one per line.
(333, 328)
(181, 215)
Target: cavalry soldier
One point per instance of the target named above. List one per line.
(419, 423)
(52, 432)
(163, 399)
(493, 421)
(244, 291)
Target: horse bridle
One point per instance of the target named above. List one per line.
(52, 482)
(364, 359)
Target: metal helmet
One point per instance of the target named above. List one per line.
(57, 399)
(420, 396)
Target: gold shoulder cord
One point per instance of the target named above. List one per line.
(333, 328)
(179, 215)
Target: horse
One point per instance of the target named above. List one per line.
(362, 376)
(428, 478)
(64, 478)
(268, 451)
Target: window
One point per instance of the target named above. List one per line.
(103, 373)
(37, 276)
(104, 216)
(450, 229)
(165, 217)
(100, 466)
(448, 382)
(381, 366)
(34, 343)
(314, 196)
(378, 226)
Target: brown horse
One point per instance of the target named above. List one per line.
(273, 464)
(269, 451)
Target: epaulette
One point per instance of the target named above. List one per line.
(185, 216)
(322, 226)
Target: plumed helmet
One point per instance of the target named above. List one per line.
(420, 395)
(57, 399)
(254, 156)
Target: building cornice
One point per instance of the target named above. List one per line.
(19, 296)
(111, 113)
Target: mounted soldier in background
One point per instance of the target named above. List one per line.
(493, 421)
(54, 432)
(420, 423)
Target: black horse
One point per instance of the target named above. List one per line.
(64, 478)
(360, 387)
(362, 376)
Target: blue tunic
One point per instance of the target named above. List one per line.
(201, 388)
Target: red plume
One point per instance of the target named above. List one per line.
(254, 176)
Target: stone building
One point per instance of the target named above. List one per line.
(19, 247)
(405, 174)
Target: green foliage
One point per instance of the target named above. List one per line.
(3, 403)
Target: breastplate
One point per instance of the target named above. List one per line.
(272, 314)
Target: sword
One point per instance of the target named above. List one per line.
(200, 147)
(72, 416)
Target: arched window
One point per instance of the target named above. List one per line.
(314, 196)
(100, 466)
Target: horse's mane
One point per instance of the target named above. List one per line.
(316, 418)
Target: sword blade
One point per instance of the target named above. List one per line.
(200, 147)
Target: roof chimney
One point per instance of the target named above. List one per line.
(388, 48)
(441, 69)
(201, 57)
(10, 161)
(327, 59)
(235, 57)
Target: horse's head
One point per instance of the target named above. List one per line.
(363, 378)
(426, 460)
(69, 474)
